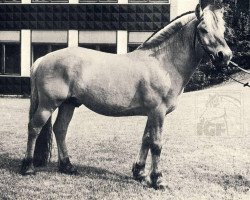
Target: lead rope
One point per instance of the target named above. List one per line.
(236, 65)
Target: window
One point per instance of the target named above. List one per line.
(46, 41)
(40, 50)
(10, 1)
(49, 1)
(148, 1)
(98, 1)
(104, 41)
(108, 48)
(10, 58)
(132, 47)
(135, 39)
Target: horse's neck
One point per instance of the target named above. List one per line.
(182, 52)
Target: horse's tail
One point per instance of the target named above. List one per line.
(43, 146)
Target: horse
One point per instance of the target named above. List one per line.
(145, 82)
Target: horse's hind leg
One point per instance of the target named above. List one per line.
(60, 127)
(35, 126)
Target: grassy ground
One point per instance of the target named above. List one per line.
(197, 164)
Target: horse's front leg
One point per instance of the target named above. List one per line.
(152, 139)
(155, 178)
(139, 166)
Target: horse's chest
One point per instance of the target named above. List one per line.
(161, 89)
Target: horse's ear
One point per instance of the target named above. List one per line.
(218, 4)
(198, 12)
(205, 3)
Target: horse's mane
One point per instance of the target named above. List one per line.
(163, 34)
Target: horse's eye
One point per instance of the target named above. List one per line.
(203, 30)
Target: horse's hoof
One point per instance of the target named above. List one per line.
(157, 181)
(27, 167)
(66, 167)
(147, 182)
(160, 186)
(70, 170)
(138, 172)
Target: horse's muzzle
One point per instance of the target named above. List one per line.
(222, 58)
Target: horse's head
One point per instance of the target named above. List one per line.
(210, 32)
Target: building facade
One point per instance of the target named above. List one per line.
(30, 29)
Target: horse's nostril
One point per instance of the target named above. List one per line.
(220, 55)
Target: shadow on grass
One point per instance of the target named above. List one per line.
(236, 182)
(92, 172)
(13, 165)
(100, 173)
(10, 164)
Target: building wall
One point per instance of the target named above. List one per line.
(179, 7)
(29, 30)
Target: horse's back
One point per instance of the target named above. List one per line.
(80, 72)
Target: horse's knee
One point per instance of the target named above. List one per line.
(33, 130)
(59, 128)
(41, 117)
(146, 140)
(38, 121)
(156, 148)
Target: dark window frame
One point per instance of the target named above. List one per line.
(49, 48)
(3, 59)
(149, 1)
(133, 46)
(10, 1)
(49, 1)
(99, 46)
(98, 1)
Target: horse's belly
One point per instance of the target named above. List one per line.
(115, 111)
(115, 107)
(112, 101)
(117, 90)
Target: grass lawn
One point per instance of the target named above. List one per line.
(198, 163)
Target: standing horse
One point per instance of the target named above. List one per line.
(146, 82)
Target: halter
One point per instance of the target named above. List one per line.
(197, 35)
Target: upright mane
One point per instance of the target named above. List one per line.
(165, 33)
